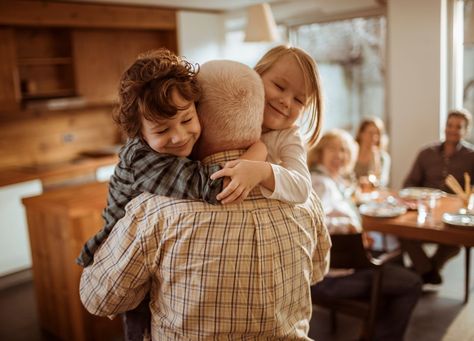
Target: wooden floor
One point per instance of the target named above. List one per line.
(440, 314)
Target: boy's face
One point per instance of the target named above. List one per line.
(176, 135)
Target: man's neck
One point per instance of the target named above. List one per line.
(449, 148)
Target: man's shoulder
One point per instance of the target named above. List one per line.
(468, 147)
(430, 148)
(147, 203)
(312, 205)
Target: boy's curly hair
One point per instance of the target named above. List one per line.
(146, 86)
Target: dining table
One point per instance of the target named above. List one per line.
(431, 230)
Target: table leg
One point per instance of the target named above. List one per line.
(466, 274)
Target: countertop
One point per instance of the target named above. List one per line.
(13, 175)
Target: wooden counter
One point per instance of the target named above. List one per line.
(59, 222)
(54, 172)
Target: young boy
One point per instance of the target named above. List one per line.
(157, 96)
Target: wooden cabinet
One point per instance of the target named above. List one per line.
(59, 222)
(9, 81)
(45, 63)
(97, 70)
(52, 50)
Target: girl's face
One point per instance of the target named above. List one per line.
(176, 135)
(370, 135)
(285, 96)
(335, 157)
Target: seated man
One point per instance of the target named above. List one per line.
(331, 161)
(433, 164)
(238, 271)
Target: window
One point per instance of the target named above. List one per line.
(468, 72)
(351, 59)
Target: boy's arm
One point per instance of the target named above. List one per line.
(175, 177)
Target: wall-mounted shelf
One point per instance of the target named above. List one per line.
(45, 61)
(50, 94)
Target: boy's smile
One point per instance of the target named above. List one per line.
(176, 135)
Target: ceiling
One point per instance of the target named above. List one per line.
(284, 11)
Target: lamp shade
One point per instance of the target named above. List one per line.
(261, 25)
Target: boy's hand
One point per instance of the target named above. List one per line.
(244, 175)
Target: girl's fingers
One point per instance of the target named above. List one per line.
(232, 197)
(227, 191)
(221, 173)
(230, 164)
(242, 197)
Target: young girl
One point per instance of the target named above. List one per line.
(292, 86)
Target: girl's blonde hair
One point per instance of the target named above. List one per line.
(377, 123)
(315, 155)
(312, 83)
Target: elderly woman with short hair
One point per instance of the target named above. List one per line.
(331, 162)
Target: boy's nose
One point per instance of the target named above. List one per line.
(178, 136)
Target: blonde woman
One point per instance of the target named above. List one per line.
(330, 162)
(372, 158)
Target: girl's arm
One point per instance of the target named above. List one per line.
(289, 181)
(256, 152)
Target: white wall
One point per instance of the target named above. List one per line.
(206, 36)
(201, 36)
(14, 242)
(416, 89)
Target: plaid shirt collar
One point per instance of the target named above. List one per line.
(223, 157)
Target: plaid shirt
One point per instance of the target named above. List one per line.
(140, 170)
(226, 272)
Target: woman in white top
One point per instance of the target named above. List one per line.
(330, 162)
(373, 162)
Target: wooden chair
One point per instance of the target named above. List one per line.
(348, 252)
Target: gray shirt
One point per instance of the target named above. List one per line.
(432, 166)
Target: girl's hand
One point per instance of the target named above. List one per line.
(244, 176)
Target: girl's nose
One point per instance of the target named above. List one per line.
(285, 101)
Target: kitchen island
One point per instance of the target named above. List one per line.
(59, 222)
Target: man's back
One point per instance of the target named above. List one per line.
(216, 272)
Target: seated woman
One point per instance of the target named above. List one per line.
(372, 158)
(330, 162)
(372, 167)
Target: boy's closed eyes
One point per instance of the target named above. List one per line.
(176, 135)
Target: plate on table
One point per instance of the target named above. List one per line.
(382, 210)
(459, 220)
(414, 193)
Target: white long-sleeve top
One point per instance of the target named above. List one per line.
(287, 156)
(339, 210)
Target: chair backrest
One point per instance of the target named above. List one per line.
(348, 251)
